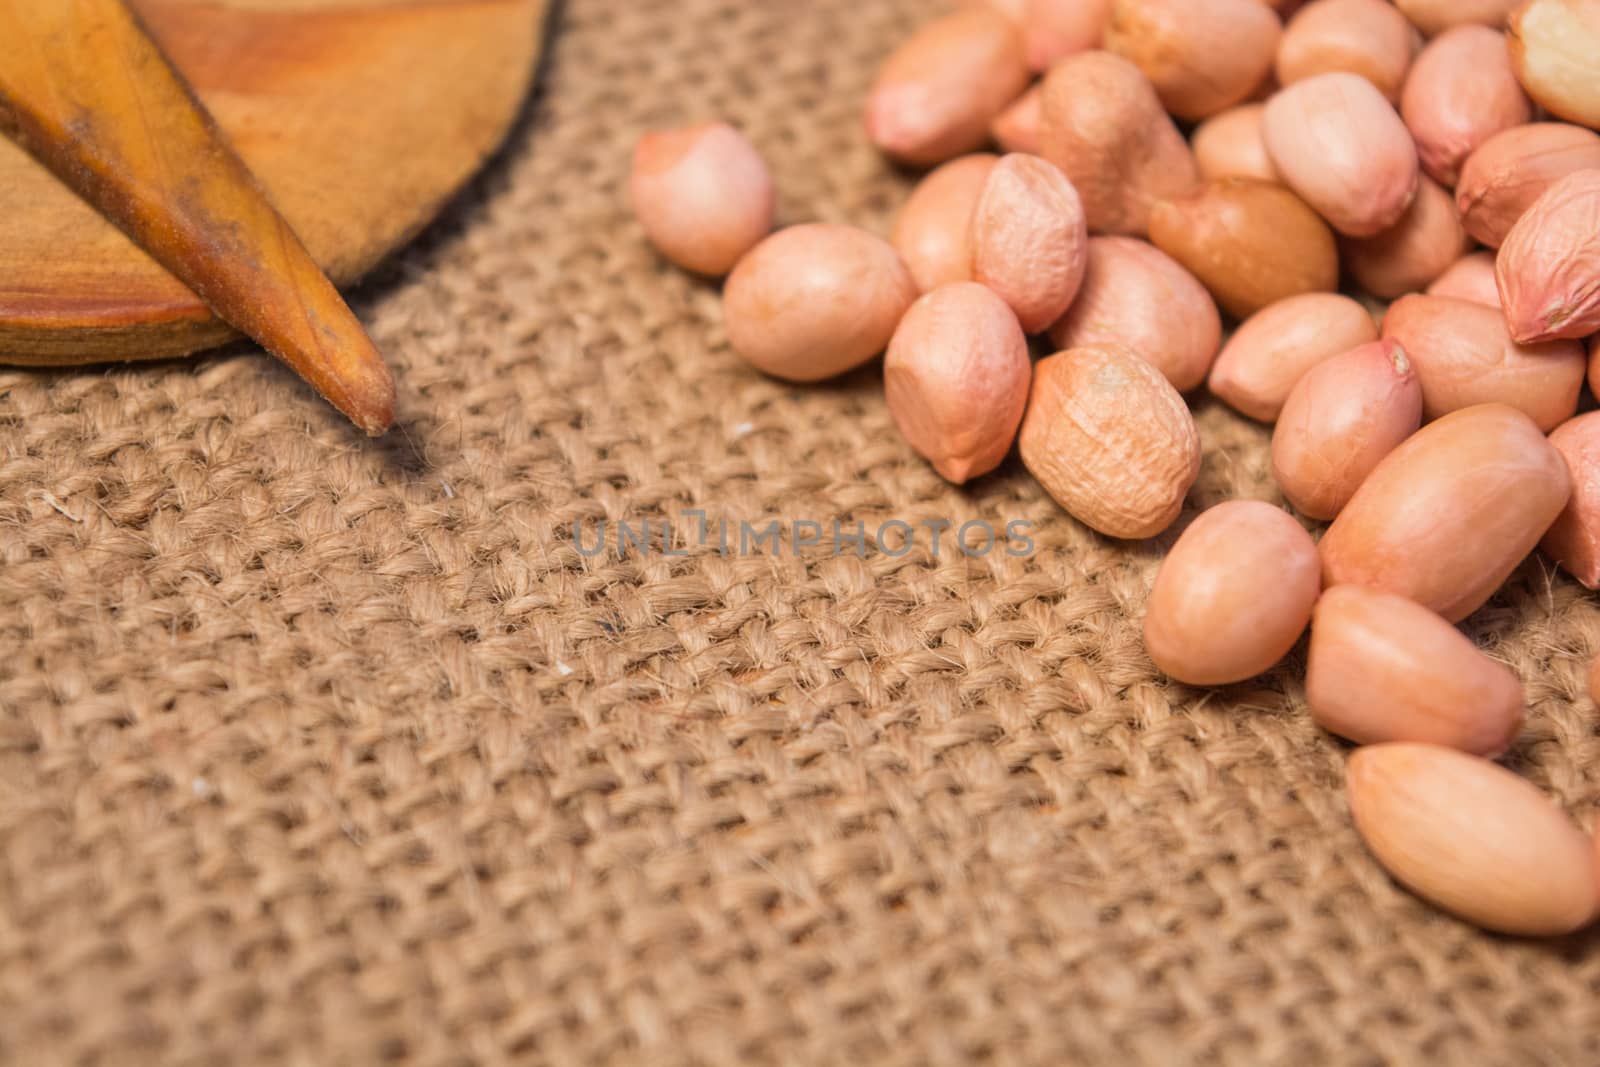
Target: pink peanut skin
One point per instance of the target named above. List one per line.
(1340, 420)
(1366, 37)
(703, 195)
(956, 375)
(933, 233)
(937, 93)
(1230, 145)
(1016, 129)
(1382, 668)
(1135, 294)
(1103, 125)
(1464, 356)
(1409, 255)
(1461, 91)
(1273, 348)
(1339, 144)
(1508, 172)
(1549, 266)
(1469, 278)
(1574, 540)
(1445, 518)
(1202, 56)
(1030, 239)
(1233, 595)
(813, 301)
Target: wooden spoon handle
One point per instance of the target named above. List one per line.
(89, 93)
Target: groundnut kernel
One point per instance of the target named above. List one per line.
(1446, 517)
(934, 231)
(1549, 266)
(1251, 243)
(811, 302)
(1464, 356)
(1137, 295)
(1229, 145)
(1473, 838)
(1435, 16)
(1201, 55)
(1340, 420)
(1029, 239)
(1217, 615)
(936, 95)
(956, 375)
(703, 195)
(1016, 129)
(1508, 172)
(1274, 348)
(1574, 540)
(1382, 668)
(1110, 439)
(1366, 37)
(1409, 255)
(1469, 278)
(1102, 124)
(1461, 92)
(1339, 144)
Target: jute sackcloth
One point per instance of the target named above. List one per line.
(316, 750)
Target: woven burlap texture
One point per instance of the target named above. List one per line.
(317, 750)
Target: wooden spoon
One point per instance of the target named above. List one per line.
(360, 118)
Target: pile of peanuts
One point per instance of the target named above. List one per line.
(1171, 162)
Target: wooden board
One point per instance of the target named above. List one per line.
(360, 117)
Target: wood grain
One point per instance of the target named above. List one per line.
(360, 118)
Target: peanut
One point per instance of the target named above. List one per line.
(1202, 56)
(1473, 838)
(1382, 668)
(1366, 37)
(1555, 50)
(1574, 540)
(1548, 268)
(1029, 239)
(1272, 349)
(1229, 145)
(956, 375)
(1110, 439)
(811, 302)
(1461, 92)
(1216, 615)
(1409, 255)
(934, 231)
(1508, 172)
(1448, 515)
(702, 194)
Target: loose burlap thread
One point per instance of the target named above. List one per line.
(317, 750)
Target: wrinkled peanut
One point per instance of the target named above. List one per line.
(1574, 540)
(1548, 268)
(1508, 172)
(1029, 239)
(1110, 439)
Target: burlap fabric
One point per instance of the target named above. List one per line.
(317, 751)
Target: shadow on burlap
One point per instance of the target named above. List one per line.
(321, 751)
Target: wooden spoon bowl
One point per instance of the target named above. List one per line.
(360, 117)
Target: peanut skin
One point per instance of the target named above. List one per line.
(1548, 268)
(1382, 668)
(956, 375)
(811, 302)
(1340, 420)
(1574, 540)
(1409, 255)
(1464, 355)
(1216, 614)
(1366, 37)
(1103, 125)
(1230, 145)
(933, 233)
(936, 95)
(1252, 243)
(1461, 92)
(1473, 838)
(1340, 145)
(1508, 172)
(1110, 439)
(1029, 239)
(1202, 56)
(1446, 517)
(1136, 295)
(1469, 278)
(1274, 348)
(702, 194)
